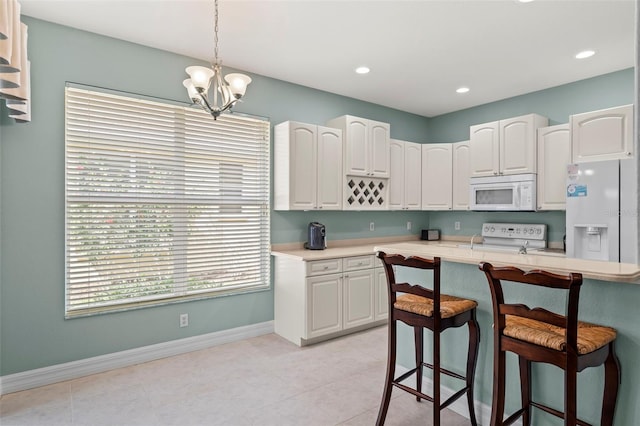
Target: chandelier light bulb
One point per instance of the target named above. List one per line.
(200, 77)
(238, 84)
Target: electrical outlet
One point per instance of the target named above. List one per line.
(456, 226)
(372, 226)
(408, 226)
(184, 320)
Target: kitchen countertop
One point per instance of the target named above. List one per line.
(450, 252)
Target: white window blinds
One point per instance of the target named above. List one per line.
(162, 203)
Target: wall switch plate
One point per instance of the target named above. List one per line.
(184, 320)
(372, 226)
(408, 226)
(456, 226)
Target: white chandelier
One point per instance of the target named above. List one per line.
(226, 92)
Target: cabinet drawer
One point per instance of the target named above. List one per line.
(321, 267)
(358, 262)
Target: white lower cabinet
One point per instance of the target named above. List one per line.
(317, 300)
(381, 310)
(357, 300)
(324, 305)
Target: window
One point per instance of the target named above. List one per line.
(162, 203)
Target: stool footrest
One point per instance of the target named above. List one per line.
(556, 413)
(445, 371)
(446, 403)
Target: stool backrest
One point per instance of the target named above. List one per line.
(570, 283)
(391, 260)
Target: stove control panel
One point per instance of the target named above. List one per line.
(524, 231)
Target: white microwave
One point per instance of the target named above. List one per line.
(503, 193)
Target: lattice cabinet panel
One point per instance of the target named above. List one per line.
(361, 193)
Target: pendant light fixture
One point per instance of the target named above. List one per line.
(226, 91)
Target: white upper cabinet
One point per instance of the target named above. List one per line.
(366, 148)
(485, 149)
(505, 146)
(554, 153)
(602, 135)
(404, 180)
(437, 171)
(329, 169)
(461, 167)
(307, 167)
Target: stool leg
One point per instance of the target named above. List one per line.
(472, 359)
(436, 377)
(525, 389)
(497, 405)
(391, 367)
(611, 382)
(417, 331)
(571, 391)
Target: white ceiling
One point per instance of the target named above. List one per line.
(419, 52)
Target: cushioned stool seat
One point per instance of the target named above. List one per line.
(449, 305)
(590, 336)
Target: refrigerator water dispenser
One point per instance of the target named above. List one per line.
(592, 242)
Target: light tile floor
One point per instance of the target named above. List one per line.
(260, 381)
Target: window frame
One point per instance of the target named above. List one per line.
(196, 131)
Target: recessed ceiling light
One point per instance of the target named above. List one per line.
(525, 1)
(462, 90)
(363, 70)
(585, 54)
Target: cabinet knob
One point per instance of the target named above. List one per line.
(326, 267)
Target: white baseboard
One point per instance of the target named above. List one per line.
(84, 367)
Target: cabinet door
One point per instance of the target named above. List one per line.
(324, 305)
(554, 153)
(461, 176)
(602, 135)
(484, 145)
(356, 156)
(382, 296)
(436, 176)
(518, 145)
(329, 166)
(396, 178)
(412, 176)
(379, 148)
(358, 298)
(302, 164)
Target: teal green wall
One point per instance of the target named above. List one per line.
(556, 103)
(34, 331)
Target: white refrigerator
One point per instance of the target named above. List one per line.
(602, 211)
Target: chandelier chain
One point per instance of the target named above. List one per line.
(216, 32)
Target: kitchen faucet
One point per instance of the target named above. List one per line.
(523, 249)
(474, 235)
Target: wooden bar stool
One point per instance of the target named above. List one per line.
(421, 308)
(538, 335)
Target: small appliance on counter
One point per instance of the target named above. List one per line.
(316, 237)
(430, 234)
